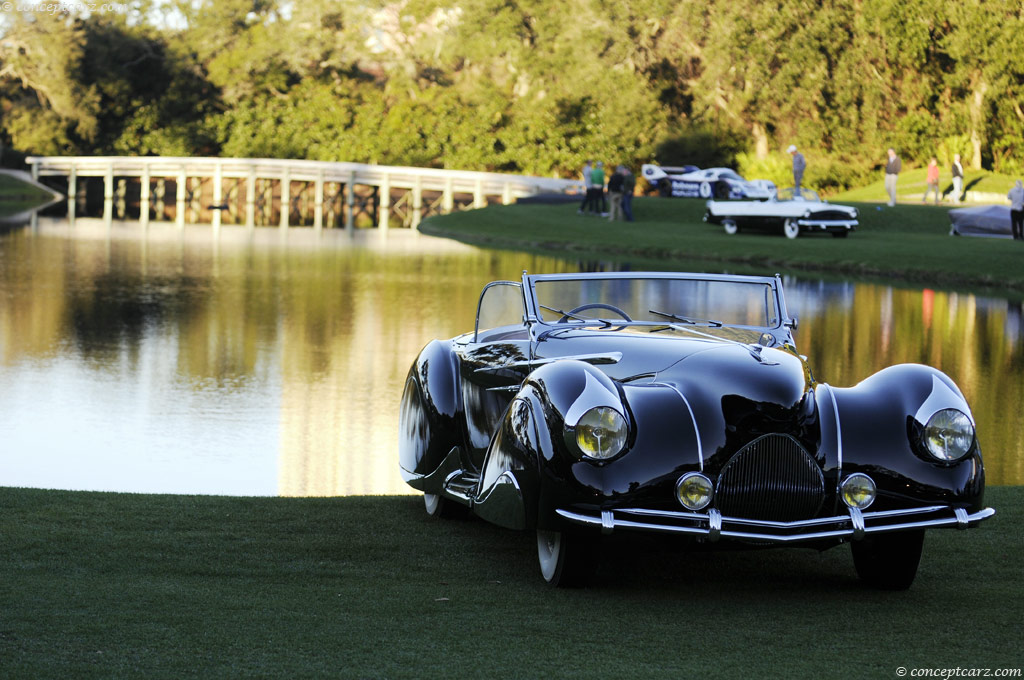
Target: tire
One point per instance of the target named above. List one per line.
(665, 188)
(566, 560)
(790, 228)
(888, 561)
(704, 190)
(439, 507)
(722, 190)
(730, 226)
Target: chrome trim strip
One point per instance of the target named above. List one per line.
(839, 429)
(593, 359)
(961, 518)
(607, 522)
(714, 525)
(693, 419)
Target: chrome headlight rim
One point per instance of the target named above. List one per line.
(858, 483)
(948, 436)
(694, 481)
(611, 428)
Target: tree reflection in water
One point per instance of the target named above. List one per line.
(256, 365)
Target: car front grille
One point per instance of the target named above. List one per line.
(771, 478)
(830, 215)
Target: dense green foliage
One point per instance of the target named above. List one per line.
(98, 585)
(527, 86)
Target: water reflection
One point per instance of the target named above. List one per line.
(269, 362)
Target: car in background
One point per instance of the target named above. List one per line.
(692, 182)
(789, 211)
(585, 406)
(991, 221)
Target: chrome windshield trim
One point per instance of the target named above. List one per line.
(713, 525)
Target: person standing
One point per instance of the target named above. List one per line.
(597, 182)
(587, 193)
(1016, 197)
(628, 187)
(615, 195)
(799, 165)
(933, 181)
(958, 179)
(892, 173)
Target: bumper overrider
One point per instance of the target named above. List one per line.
(713, 526)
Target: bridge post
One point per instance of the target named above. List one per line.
(478, 195)
(179, 199)
(417, 202)
(250, 198)
(286, 197)
(108, 194)
(448, 197)
(218, 194)
(72, 191)
(144, 196)
(350, 202)
(385, 202)
(318, 201)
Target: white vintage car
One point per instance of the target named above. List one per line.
(692, 182)
(790, 211)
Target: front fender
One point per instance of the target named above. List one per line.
(428, 416)
(876, 434)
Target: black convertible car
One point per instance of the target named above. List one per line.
(677, 404)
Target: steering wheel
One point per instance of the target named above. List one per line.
(594, 305)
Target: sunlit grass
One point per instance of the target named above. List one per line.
(125, 585)
(907, 242)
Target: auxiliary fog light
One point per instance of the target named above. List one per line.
(694, 491)
(858, 491)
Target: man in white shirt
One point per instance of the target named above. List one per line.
(958, 179)
(1016, 197)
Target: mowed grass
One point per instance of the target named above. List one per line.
(906, 242)
(121, 585)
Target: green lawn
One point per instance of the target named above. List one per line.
(123, 585)
(906, 242)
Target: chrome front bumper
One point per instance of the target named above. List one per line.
(713, 526)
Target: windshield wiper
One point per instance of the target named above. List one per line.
(604, 322)
(683, 319)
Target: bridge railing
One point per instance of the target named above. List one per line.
(480, 185)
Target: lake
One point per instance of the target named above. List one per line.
(262, 362)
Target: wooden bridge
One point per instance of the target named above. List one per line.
(261, 191)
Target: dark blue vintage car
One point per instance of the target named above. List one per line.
(583, 405)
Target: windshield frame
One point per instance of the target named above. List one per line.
(774, 283)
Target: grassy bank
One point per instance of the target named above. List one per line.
(122, 585)
(906, 242)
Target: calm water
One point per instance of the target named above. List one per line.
(262, 364)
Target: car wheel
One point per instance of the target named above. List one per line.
(440, 507)
(888, 561)
(665, 189)
(722, 190)
(566, 560)
(704, 190)
(790, 228)
(730, 226)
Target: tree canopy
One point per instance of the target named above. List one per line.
(525, 86)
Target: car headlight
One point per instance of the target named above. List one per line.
(949, 435)
(601, 433)
(858, 491)
(694, 491)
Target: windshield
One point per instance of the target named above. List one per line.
(792, 194)
(697, 302)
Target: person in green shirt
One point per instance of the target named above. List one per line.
(599, 204)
